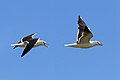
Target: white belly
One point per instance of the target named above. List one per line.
(37, 44)
(86, 45)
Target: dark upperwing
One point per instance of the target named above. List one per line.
(25, 39)
(29, 46)
(84, 34)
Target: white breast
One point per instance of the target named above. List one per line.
(86, 45)
(38, 43)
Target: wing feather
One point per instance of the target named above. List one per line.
(84, 34)
(29, 46)
(26, 39)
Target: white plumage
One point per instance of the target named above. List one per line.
(29, 42)
(83, 36)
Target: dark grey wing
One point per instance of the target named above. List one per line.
(29, 46)
(28, 37)
(84, 34)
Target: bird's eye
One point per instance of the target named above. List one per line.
(98, 42)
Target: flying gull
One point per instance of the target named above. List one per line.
(29, 42)
(83, 36)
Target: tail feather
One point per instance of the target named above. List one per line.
(14, 44)
(66, 45)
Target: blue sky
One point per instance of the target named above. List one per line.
(56, 22)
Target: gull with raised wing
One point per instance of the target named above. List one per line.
(29, 42)
(83, 36)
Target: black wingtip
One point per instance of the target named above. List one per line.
(34, 33)
(22, 56)
(80, 20)
(79, 17)
(15, 47)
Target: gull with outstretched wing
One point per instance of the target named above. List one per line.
(29, 42)
(83, 36)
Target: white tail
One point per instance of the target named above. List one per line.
(14, 44)
(23, 44)
(66, 45)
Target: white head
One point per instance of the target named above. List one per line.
(96, 43)
(44, 43)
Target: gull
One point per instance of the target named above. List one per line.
(29, 42)
(83, 37)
